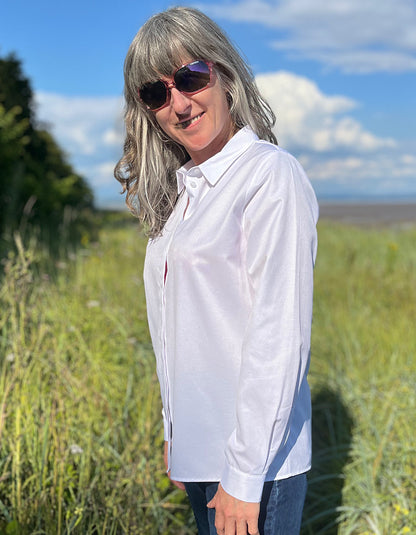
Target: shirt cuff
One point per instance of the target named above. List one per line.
(245, 487)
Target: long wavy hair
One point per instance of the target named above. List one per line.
(147, 169)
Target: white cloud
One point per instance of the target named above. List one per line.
(113, 137)
(308, 120)
(334, 147)
(81, 124)
(101, 174)
(90, 131)
(352, 35)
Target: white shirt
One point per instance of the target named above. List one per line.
(229, 300)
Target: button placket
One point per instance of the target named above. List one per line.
(193, 184)
(164, 341)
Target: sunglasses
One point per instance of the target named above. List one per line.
(188, 79)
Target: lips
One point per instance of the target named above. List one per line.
(185, 124)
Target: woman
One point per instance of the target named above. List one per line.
(228, 275)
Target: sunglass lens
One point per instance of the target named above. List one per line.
(153, 94)
(192, 77)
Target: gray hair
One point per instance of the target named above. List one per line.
(147, 169)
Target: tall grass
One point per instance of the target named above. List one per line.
(81, 438)
(363, 379)
(80, 425)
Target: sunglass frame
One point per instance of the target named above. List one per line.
(171, 84)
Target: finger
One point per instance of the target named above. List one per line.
(219, 523)
(253, 526)
(242, 527)
(230, 527)
(211, 503)
(178, 484)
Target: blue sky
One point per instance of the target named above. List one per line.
(340, 76)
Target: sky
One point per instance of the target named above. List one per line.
(340, 76)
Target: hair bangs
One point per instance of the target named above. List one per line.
(162, 46)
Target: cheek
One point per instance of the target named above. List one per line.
(223, 112)
(162, 119)
(222, 105)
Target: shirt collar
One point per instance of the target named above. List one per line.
(214, 168)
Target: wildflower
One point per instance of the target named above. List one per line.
(75, 449)
(10, 357)
(93, 304)
(406, 529)
(399, 509)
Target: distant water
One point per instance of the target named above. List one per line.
(364, 199)
(376, 212)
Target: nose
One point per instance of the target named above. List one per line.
(179, 102)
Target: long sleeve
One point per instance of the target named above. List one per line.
(229, 303)
(279, 248)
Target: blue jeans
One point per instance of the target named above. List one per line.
(280, 507)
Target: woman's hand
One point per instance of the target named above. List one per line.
(233, 516)
(178, 484)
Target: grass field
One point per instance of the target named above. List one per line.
(80, 426)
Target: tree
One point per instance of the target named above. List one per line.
(37, 184)
(15, 88)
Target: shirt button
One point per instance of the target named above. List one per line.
(195, 173)
(193, 184)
